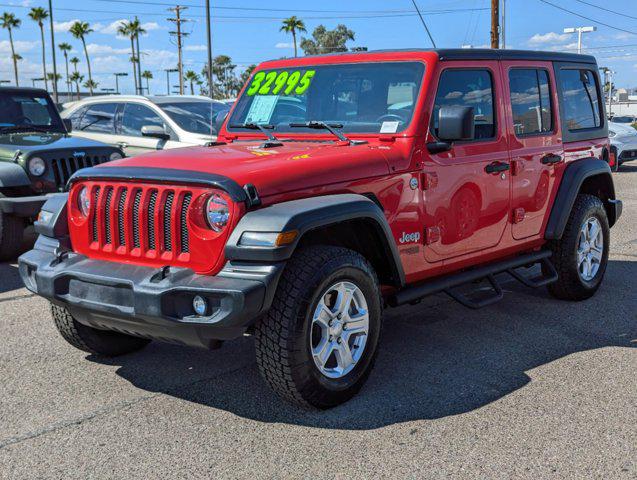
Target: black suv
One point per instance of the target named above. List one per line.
(37, 157)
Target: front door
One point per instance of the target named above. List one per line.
(134, 116)
(467, 188)
(535, 142)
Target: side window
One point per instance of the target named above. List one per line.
(530, 101)
(580, 100)
(99, 118)
(137, 116)
(472, 88)
(76, 117)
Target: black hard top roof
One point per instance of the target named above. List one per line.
(23, 89)
(486, 54)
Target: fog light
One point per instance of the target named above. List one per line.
(200, 305)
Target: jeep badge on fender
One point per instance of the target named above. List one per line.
(339, 185)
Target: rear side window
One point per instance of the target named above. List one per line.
(99, 118)
(580, 99)
(470, 88)
(530, 101)
(137, 116)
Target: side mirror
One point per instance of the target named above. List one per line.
(155, 131)
(219, 119)
(456, 123)
(68, 124)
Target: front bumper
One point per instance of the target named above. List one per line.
(626, 148)
(24, 206)
(150, 302)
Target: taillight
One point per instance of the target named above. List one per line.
(611, 159)
(217, 211)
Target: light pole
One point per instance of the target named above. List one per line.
(55, 68)
(168, 72)
(37, 79)
(209, 35)
(579, 31)
(2, 82)
(107, 90)
(117, 75)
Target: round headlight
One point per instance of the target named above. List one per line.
(84, 201)
(217, 212)
(36, 166)
(115, 156)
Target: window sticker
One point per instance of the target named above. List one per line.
(389, 127)
(261, 109)
(286, 83)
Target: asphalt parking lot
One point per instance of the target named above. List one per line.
(529, 388)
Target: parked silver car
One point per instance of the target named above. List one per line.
(623, 140)
(138, 124)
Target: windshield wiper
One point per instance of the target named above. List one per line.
(265, 129)
(24, 128)
(330, 127)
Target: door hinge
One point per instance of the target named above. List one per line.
(518, 215)
(432, 235)
(516, 167)
(429, 180)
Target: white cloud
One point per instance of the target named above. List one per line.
(101, 49)
(195, 48)
(111, 28)
(20, 46)
(550, 37)
(63, 26)
(284, 45)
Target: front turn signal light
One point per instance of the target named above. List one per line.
(267, 239)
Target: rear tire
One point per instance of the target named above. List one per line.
(581, 261)
(11, 235)
(92, 340)
(317, 344)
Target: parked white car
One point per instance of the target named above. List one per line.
(623, 140)
(139, 124)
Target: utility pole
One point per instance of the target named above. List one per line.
(579, 31)
(503, 28)
(495, 24)
(139, 64)
(209, 33)
(179, 34)
(55, 68)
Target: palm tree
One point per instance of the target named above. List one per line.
(76, 78)
(125, 30)
(75, 61)
(10, 22)
(148, 75)
(293, 25)
(80, 30)
(66, 48)
(193, 78)
(90, 84)
(137, 30)
(38, 15)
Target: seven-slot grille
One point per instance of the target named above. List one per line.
(63, 168)
(150, 221)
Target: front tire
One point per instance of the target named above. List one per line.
(11, 235)
(317, 344)
(92, 340)
(581, 255)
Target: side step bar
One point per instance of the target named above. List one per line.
(446, 284)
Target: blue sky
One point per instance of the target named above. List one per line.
(248, 31)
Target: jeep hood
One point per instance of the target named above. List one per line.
(293, 166)
(33, 142)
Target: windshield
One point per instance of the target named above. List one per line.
(195, 117)
(359, 98)
(28, 111)
(623, 119)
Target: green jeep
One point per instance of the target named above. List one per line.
(37, 157)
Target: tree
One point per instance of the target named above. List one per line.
(91, 85)
(80, 30)
(327, 41)
(66, 48)
(246, 74)
(137, 30)
(77, 79)
(148, 75)
(75, 61)
(293, 25)
(191, 77)
(52, 77)
(38, 15)
(133, 29)
(10, 22)
(223, 69)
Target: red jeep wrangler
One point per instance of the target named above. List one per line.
(340, 184)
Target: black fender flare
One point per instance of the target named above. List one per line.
(305, 215)
(13, 175)
(573, 178)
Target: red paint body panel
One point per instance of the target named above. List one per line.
(471, 209)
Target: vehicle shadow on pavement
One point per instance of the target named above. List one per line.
(435, 359)
(9, 278)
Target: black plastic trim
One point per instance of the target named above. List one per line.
(164, 175)
(305, 215)
(574, 175)
(13, 175)
(23, 206)
(57, 226)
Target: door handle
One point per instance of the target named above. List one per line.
(551, 159)
(497, 167)
(122, 145)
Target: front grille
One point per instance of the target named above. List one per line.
(63, 168)
(628, 155)
(150, 220)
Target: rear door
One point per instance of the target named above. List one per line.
(468, 205)
(535, 142)
(97, 122)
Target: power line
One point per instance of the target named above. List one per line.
(586, 18)
(423, 23)
(606, 9)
